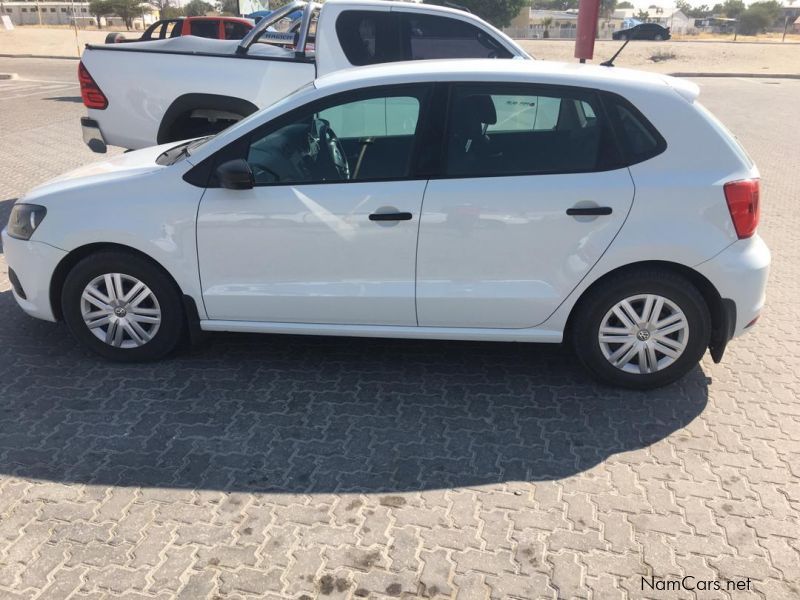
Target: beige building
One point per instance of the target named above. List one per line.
(530, 24)
(31, 12)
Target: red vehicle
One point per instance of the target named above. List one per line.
(219, 28)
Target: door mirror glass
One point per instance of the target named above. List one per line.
(235, 175)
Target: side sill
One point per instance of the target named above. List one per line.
(532, 335)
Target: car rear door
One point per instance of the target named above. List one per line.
(531, 194)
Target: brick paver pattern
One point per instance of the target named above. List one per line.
(290, 467)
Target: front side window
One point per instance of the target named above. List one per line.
(431, 37)
(360, 139)
(509, 131)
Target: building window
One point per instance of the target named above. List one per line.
(52, 10)
(24, 9)
(63, 10)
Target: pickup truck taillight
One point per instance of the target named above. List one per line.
(742, 199)
(93, 96)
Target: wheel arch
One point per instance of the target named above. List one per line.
(187, 103)
(722, 310)
(78, 254)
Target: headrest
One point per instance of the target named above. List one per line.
(482, 108)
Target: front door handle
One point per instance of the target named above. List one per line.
(393, 216)
(589, 211)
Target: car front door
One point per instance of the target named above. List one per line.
(531, 195)
(328, 233)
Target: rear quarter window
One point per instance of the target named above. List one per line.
(638, 138)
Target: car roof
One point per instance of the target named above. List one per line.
(505, 70)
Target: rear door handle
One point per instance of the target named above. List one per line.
(394, 216)
(589, 211)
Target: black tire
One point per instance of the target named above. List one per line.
(114, 38)
(593, 308)
(658, 37)
(171, 327)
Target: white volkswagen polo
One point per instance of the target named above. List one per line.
(473, 200)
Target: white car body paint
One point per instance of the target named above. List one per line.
(678, 215)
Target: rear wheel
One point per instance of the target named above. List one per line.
(658, 37)
(122, 307)
(642, 329)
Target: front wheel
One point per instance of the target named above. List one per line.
(122, 307)
(642, 329)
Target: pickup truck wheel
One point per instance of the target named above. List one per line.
(123, 307)
(114, 38)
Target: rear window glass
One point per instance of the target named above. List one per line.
(493, 130)
(430, 37)
(206, 29)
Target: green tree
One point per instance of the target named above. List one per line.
(555, 4)
(733, 8)
(759, 16)
(607, 8)
(498, 12)
(547, 22)
(643, 15)
(100, 8)
(126, 10)
(229, 7)
(198, 8)
(625, 4)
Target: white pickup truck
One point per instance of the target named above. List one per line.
(147, 93)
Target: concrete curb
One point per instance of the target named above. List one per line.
(4, 76)
(748, 75)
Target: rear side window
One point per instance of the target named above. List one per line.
(235, 31)
(525, 130)
(368, 37)
(430, 37)
(640, 141)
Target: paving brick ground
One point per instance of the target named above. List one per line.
(280, 467)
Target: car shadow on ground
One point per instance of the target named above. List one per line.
(312, 415)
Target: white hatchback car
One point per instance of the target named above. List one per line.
(473, 200)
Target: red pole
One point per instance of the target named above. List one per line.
(588, 13)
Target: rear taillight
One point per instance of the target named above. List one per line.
(93, 96)
(742, 198)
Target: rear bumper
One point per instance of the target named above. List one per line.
(33, 264)
(92, 136)
(740, 275)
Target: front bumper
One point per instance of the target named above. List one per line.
(92, 136)
(34, 264)
(740, 274)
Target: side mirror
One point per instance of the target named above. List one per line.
(235, 175)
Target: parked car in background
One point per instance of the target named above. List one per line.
(643, 31)
(175, 89)
(218, 28)
(520, 201)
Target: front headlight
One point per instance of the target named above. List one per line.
(24, 220)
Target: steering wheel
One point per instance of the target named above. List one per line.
(333, 150)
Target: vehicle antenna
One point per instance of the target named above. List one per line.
(610, 61)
